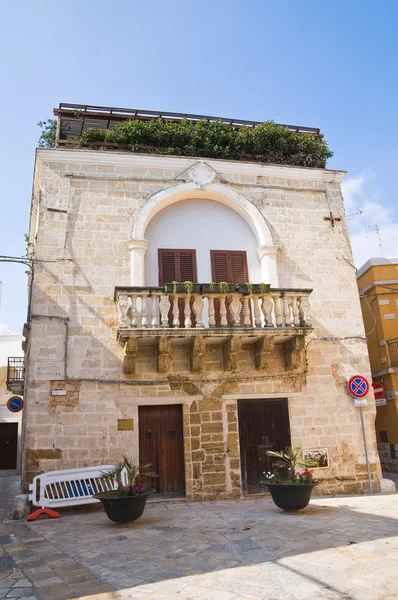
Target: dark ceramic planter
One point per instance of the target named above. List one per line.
(125, 509)
(289, 496)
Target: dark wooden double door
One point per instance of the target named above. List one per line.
(161, 440)
(8, 445)
(263, 425)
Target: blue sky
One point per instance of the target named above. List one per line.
(329, 64)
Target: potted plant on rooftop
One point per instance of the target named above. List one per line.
(294, 493)
(126, 503)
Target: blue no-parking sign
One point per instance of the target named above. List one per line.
(15, 404)
(358, 386)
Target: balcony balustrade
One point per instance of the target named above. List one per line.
(16, 374)
(202, 308)
(268, 322)
(393, 351)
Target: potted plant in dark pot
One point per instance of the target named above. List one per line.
(127, 502)
(294, 492)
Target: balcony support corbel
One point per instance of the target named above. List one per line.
(198, 353)
(231, 349)
(263, 350)
(295, 353)
(164, 355)
(130, 356)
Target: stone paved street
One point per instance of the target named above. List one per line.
(339, 548)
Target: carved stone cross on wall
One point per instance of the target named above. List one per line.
(332, 218)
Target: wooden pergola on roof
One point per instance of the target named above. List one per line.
(75, 119)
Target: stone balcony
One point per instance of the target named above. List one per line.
(251, 321)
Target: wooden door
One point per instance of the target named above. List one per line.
(162, 445)
(263, 425)
(8, 445)
(228, 266)
(177, 265)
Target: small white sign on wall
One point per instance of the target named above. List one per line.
(390, 395)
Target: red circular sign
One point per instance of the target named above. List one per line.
(358, 386)
(378, 390)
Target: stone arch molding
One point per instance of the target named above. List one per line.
(267, 251)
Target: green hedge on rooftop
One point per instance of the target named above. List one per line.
(268, 143)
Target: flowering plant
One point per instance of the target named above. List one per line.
(130, 478)
(271, 477)
(306, 476)
(290, 458)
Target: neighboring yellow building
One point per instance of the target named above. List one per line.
(378, 287)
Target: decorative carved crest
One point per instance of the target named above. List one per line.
(201, 174)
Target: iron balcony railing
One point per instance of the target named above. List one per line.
(393, 351)
(15, 369)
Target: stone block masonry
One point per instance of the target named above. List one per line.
(84, 252)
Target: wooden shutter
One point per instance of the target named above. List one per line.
(238, 266)
(177, 265)
(187, 265)
(167, 266)
(229, 266)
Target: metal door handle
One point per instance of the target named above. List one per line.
(149, 434)
(172, 433)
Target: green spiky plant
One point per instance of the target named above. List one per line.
(136, 476)
(291, 458)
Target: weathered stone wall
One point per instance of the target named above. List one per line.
(87, 209)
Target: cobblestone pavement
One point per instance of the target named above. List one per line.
(338, 548)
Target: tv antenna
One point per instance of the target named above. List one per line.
(379, 238)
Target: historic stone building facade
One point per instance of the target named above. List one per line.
(199, 379)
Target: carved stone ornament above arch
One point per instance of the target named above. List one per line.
(202, 185)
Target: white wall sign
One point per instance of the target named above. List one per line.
(381, 401)
(360, 401)
(58, 392)
(390, 395)
(46, 371)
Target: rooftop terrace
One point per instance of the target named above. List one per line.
(147, 131)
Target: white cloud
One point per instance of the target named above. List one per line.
(365, 213)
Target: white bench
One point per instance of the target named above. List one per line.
(70, 487)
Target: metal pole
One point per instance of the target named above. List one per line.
(366, 449)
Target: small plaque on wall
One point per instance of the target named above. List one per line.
(319, 455)
(125, 424)
(47, 371)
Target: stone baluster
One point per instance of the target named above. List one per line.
(234, 308)
(278, 311)
(247, 312)
(256, 310)
(154, 311)
(296, 312)
(144, 310)
(164, 306)
(287, 317)
(123, 307)
(267, 307)
(135, 315)
(223, 312)
(176, 312)
(187, 311)
(304, 308)
(198, 310)
(212, 319)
